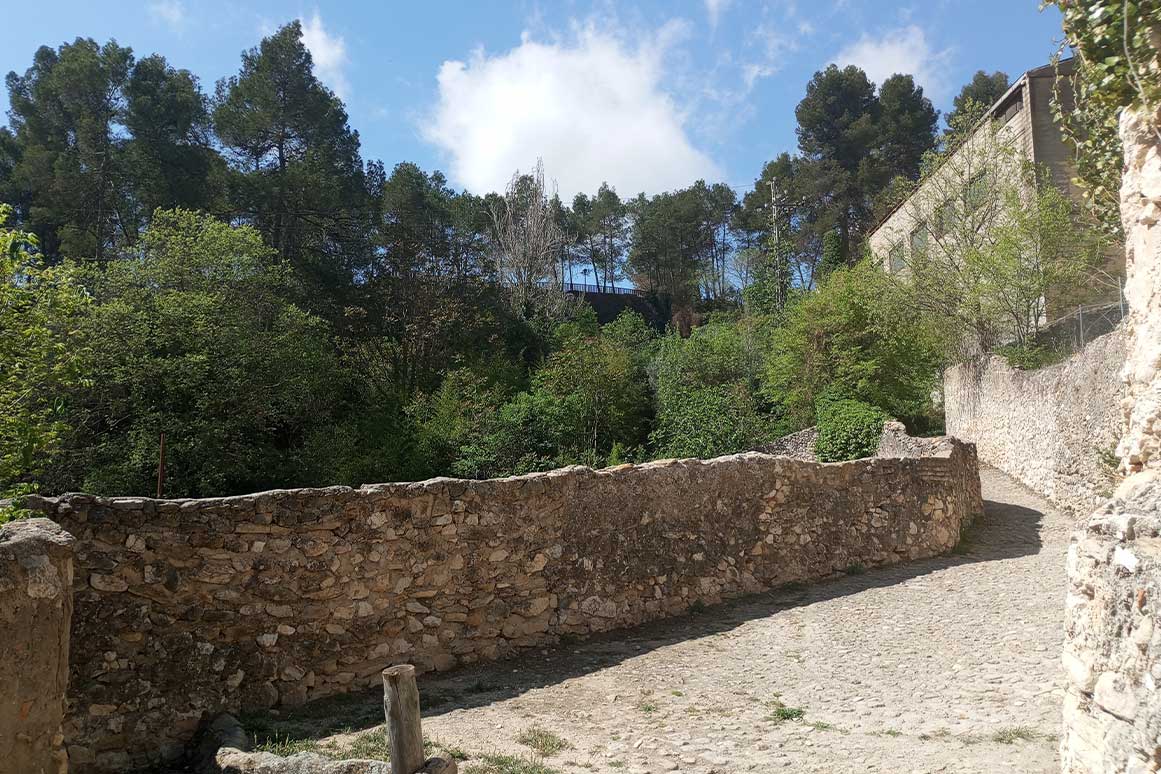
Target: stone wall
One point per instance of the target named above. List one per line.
(1054, 429)
(1141, 217)
(1112, 704)
(184, 607)
(35, 611)
(1112, 653)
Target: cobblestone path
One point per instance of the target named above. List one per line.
(941, 665)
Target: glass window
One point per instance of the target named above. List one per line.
(977, 192)
(945, 218)
(895, 258)
(919, 240)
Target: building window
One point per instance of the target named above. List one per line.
(919, 240)
(977, 192)
(895, 258)
(945, 218)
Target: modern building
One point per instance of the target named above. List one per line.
(1022, 122)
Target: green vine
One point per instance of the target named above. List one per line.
(1116, 44)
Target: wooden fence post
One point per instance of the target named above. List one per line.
(401, 705)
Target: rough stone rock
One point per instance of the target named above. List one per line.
(35, 613)
(1141, 219)
(240, 611)
(1112, 703)
(231, 761)
(1052, 428)
(1112, 656)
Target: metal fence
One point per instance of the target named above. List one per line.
(1070, 332)
(588, 287)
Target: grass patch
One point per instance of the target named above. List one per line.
(371, 745)
(455, 753)
(543, 741)
(780, 713)
(1015, 734)
(888, 732)
(647, 707)
(819, 725)
(286, 746)
(508, 764)
(315, 720)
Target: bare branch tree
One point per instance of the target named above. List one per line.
(528, 241)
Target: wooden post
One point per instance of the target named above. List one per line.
(161, 467)
(401, 705)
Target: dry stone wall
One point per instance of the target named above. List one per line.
(1112, 656)
(195, 606)
(1054, 428)
(35, 611)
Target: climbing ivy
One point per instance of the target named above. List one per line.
(1116, 45)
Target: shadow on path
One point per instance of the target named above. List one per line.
(1006, 531)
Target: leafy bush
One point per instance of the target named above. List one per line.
(40, 351)
(1029, 357)
(707, 402)
(1116, 67)
(861, 335)
(710, 421)
(847, 430)
(193, 337)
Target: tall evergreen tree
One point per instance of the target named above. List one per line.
(982, 90)
(170, 158)
(67, 183)
(296, 170)
(837, 122)
(858, 139)
(907, 126)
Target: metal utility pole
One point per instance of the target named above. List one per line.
(782, 271)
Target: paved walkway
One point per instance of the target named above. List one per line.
(946, 665)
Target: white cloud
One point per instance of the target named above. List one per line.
(329, 53)
(592, 107)
(752, 73)
(772, 41)
(904, 50)
(714, 9)
(171, 13)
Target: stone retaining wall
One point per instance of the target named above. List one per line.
(36, 560)
(1054, 428)
(1112, 655)
(184, 607)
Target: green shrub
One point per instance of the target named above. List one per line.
(847, 430)
(1029, 357)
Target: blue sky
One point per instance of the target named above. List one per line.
(649, 96)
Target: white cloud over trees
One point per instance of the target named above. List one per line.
(594, 107)
(904, 50)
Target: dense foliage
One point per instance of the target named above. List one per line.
(860, 336)
(1116, 48)
(227, 270)
(39, 349)
(847, 430)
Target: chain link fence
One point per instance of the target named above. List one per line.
(1070, 332)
